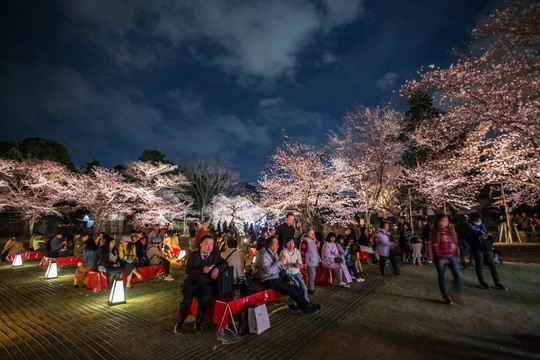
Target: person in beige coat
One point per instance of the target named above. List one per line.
(12, 247)
(235, 258)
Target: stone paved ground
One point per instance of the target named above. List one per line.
(385, 317)
(49, 319)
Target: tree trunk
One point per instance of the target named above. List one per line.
(30, 228)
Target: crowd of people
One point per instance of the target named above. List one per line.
(283, 251)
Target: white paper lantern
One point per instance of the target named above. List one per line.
(17, 261)
(117, 295)
(52, 271)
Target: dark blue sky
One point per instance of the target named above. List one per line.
(108, 79)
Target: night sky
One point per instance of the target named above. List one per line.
(108, 79)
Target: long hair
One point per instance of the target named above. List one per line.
(436, 233)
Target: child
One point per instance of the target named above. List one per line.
(417, 252)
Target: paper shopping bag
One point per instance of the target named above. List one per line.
(258, 319)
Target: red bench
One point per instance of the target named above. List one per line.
(323, 276)
(221, 307)
(61, 261)
(97, 281)
(27, 255)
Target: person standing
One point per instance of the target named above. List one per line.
(310, 258)
(285, 230)
(445, 242)
(481, 245)
(199, 234)
(463, 244)
(384, 245)
(202, 266)
(404, 231)
(156, 232)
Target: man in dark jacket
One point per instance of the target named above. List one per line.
(481, 245)
(285, 230)
(202, 266)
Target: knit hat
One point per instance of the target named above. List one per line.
(126, 238)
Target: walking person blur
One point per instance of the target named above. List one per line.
(445, 242)
(426, 234)
(404, 231)
(384, 245)
(481, 244)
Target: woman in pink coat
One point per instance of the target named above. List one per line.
(330, 259)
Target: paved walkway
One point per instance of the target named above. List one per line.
(49, 319)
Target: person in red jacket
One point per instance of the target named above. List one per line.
(444, 242)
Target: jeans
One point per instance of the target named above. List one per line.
(292, 290)
(312, 272)
(302, 285)
(441, 271)
(463, 248)
(487, 256)
(350, 265)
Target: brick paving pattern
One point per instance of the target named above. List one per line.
(42, 319)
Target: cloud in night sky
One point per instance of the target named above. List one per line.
(108, 79)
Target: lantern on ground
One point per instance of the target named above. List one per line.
(182, 254)
(52, 270)
(117, 295)
(17, 261)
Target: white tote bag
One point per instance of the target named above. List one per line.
(258, 318)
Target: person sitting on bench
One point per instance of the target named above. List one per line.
(202, 266)
(274, 276)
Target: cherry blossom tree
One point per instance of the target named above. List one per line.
(237, 209)
(160, 190)
(365, 157)
(492, 101)
(300, 178)
(34, 188)
(106, 194)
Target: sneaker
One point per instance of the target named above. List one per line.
(178, 328)
(360, 280)
(447, 301)
(315, 306)
(500, 287)
(168, 278)
(344, 285)
(198, 329)
(457, 299)
(484, 285)
(309, 310)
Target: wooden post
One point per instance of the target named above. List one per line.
(410, 212)
(507, 216)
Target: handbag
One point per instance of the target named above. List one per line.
(258, 318)
(338, 259)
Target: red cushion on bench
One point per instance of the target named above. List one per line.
(150, 272)
(61, 261)
(323, 276)
(27, 255)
